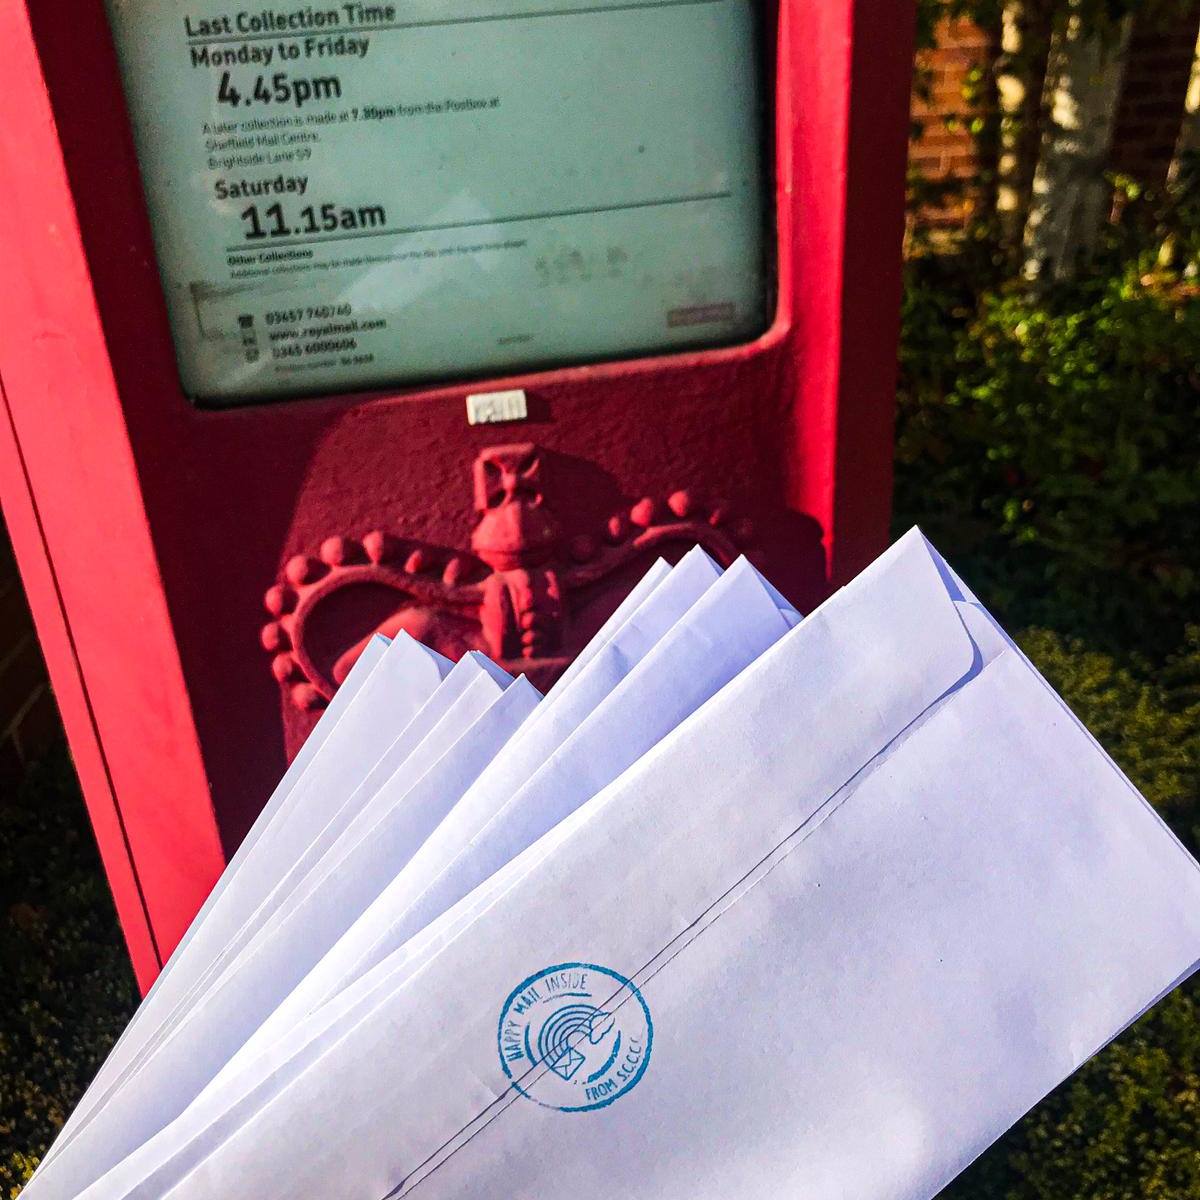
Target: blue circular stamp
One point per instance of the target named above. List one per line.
(575, 1037)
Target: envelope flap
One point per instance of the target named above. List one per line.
(855, 674)
(906, 605)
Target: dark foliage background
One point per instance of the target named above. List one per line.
(66, 988)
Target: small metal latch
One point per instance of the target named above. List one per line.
(492, 408)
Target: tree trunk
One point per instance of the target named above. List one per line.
(1026, 27)
(988, 122)
(1189, 133)
(1184, 172)
(1070, 199)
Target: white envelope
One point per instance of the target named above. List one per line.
(367, 662)
(398, 677)
(634, 631)
(335, 890)
(849, 921)
(466, 692)
(640, 592)
(658, 607)
(735, 620)
(467, 689)
(622, 646)
(663, 598)
(666, 600)
(371, 657)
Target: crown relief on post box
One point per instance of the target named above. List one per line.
(358, 196)
(511, 596)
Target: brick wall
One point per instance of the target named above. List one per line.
(945, 149)
(1148, 121)
(28, 717)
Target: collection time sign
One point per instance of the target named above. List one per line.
(360, 195)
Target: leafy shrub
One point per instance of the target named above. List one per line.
(1051, 441)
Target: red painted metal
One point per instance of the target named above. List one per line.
(148, 530)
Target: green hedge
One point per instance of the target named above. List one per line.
(1051, 441)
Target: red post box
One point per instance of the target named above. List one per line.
(323, 321)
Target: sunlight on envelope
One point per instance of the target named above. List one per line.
(861, 903)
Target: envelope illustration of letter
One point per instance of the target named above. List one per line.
(561, 1036)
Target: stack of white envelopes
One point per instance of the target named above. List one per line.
(746, 906)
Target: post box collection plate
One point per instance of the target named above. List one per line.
(348, 196)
